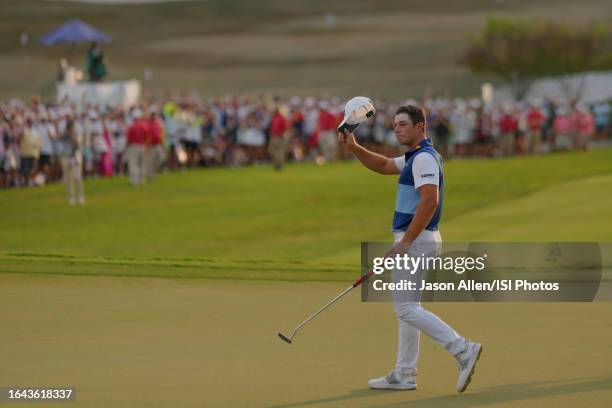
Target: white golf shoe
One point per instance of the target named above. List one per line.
(467, 362)
(393, 382)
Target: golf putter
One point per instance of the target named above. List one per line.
(289, 339)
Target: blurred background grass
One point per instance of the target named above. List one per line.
(389, 48)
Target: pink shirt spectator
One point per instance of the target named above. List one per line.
(585, 123)
(562, 125)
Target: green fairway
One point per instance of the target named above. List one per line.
(303, 224)
(137, 342)
(568, 211)
(124, 339)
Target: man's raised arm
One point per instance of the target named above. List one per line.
(373, 161)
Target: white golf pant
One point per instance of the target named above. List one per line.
(413, 319)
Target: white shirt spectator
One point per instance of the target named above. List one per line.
(46, 148)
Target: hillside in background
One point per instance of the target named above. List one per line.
(388, 48)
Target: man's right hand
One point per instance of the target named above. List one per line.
(346, 139)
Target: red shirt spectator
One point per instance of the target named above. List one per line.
(327, 121)
(297, 117)
(137, 133)
(278, 126)
(508, 124)
(535, 119)
(155, 135)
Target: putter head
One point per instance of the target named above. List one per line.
(285, 338)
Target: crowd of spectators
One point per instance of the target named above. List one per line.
(42, 143)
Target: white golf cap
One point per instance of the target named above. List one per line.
(356, 111)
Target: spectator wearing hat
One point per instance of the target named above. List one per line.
(156, 154)
(190, 134)
(136, 139)
(30, 151)
(535, 122)
(279, 133)
(462, 123)
(251, 137)
(508, 127)
(328, 142)
(47, 134)
(101, 144)
(69, 145)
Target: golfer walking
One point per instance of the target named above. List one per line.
(415, 226)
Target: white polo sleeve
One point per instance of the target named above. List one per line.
(425, 170)
(400, 162)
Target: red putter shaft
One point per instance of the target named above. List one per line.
(362, 279)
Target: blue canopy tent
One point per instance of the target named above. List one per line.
(74, 31)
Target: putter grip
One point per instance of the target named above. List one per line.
(362, 279)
